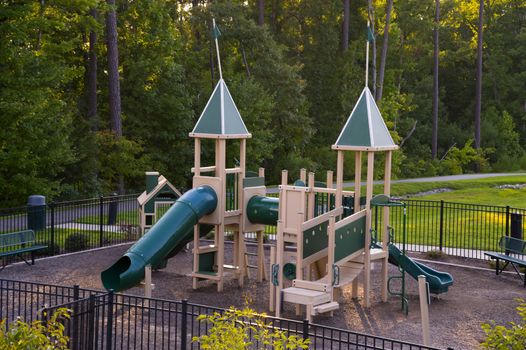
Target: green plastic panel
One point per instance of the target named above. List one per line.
(381, 135)
(234, 124)
(356, 130)
(210, 120)
(349, 239)
(365, 126)
(315, 239)
(206, 262)
(253, 182)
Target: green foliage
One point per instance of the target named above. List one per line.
(461, 160)
(76, 241)
(240, 329)
(502, 337)
(36, 335)
(291, 80)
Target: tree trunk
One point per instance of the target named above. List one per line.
(91, 78)
(114, 88)
(434, 136)
(478, 91)
(373, 66)
(385, 45)
(345, 24)
(113, 71)
(261, 12)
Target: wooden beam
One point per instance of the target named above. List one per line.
(339, 179)
(367, 257)
(385, 237)
(357, 180)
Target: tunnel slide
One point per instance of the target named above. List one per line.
(171, 233)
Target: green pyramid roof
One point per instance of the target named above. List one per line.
(365, 130)
(220, 118)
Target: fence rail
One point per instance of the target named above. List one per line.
(102, 320)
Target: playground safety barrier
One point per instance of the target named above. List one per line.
(102, 320)
(457, 229)
(79, 225)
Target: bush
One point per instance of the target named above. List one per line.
(52, 248)
(36, 335)
(501, 337)
(238, 329)
(76, 241)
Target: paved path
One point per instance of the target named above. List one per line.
(428, 179)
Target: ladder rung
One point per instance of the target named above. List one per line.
(252, 266)
(251, 254)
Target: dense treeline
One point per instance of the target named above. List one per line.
(87, 106)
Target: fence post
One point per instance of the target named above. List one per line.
(91, 321)
(184, 310)
(305, 329)
(52, 238)
(441, 224)
(507, 220)
(101, 214)
(109, 321)
(74, 325)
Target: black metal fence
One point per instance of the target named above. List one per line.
(458, 229)
(101, 320)
(77, 225)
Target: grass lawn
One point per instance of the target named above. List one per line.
(130, 217)
(478, 191)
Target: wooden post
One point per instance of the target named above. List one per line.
(367, 257)
(196, 255)
(220, 229)
(148, 281)
(299, 252)
(303, 175)
(357, 194)
(197, 172)
(357, 180)
(284, 177)
(385, 238)
(339, 179)
(279, 261)
(311, 197)
(197, 156)
(330, 184)
(424, 310)
(243, 268)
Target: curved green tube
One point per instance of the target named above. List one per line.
(162, 240)
(263, 210)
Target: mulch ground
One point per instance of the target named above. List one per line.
(477, 296)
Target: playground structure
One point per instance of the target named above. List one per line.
(324, 233)
(159, 195)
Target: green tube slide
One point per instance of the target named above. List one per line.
(163, 240)
(263, 210)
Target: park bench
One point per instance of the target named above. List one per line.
(18, 244)
(514, 254)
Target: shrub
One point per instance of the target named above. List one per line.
(52, 248)
(238, 329)
(501, 337)
(36, 335)
(434, 254)
(76, 241)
